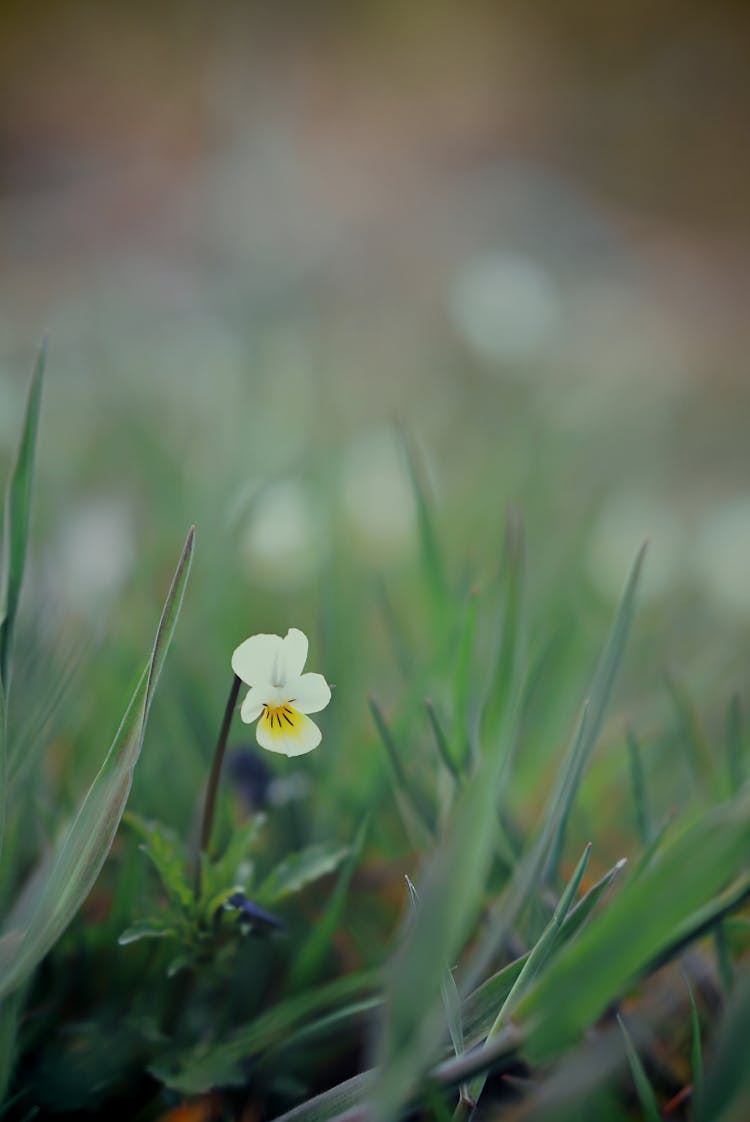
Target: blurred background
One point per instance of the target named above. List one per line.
(263, 237)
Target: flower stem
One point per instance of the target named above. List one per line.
(213, 780)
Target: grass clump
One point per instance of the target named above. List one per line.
(437, 911)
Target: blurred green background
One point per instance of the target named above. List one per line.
(262, 237)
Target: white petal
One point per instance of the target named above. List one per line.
(293, 654)
(289, 741)
(252, 706)
(310, 693)
(255, 660)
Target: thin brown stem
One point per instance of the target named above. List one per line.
(209, 804)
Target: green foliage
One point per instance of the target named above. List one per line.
(280, 971)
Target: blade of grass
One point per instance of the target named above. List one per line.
(451, 896)
(639, 923)
(591, 722)
(644, 1090)
(431, 555)
(448, 990)
(441, 742)
(480, 1006)
(10, 1009)
(410, 793)
(508, 638)
(696, 1053)
(735, 745)
(726, 1090)
(638, 781)
(64, 882)
(313, 950)
(16, 525)
(537, 957)
(462, 678)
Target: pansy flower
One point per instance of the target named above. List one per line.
(280, 695)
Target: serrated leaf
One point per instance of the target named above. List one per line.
(294, 872)
(163, 848)
(63, 882)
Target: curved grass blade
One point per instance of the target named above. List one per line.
(644, 1090)
(696, 1053)
(726, 1091)
(649, 913)
(62, 884)
(480, 1006)
(591, 722)
(536, 959)
(312, 951)
(16, 524)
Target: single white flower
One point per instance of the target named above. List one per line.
(280, 694)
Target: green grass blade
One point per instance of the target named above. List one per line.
(16, 524)
(644, 1090)
(538, 955)
(408, 791)
(451, 893)
(638, 781)
(441, 742)
(63, 883)
(591, 721)
(643, 919)
(726, 1090)
(480, 1007)
(508, 641)
(703, 921)
(448, 990)
(10, 1009)
(735, 745)
(696, 1052)
(3, 766)
(313, 950)
(431, 554)
(463, 677)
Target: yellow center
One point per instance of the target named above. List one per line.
(281, 720)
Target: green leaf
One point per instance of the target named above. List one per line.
(152, 927)
(431, 556)
(163, 848)
(16, 525)
(644, 1090)
(63, 882)
(300, 869)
